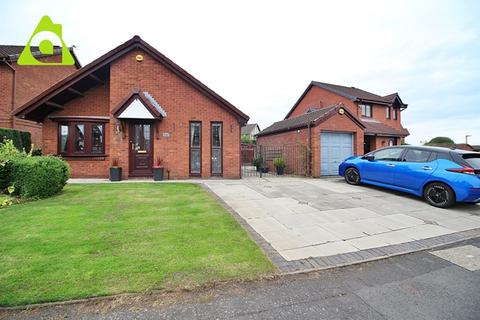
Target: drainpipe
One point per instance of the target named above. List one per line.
(14, 84)
(309, 159)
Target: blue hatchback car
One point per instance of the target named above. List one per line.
(440, 175)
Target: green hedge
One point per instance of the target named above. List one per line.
(21, 139)
(39, 177)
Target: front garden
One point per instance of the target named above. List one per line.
(61, 242)
(103, 239)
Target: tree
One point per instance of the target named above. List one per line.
(440, 141)
(245, 138)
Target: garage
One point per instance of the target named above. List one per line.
(334, 148)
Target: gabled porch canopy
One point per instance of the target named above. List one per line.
(139, 105)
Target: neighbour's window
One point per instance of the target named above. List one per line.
(395, 114)
(366, 110)
(387, 110)
(413, 155)
(81, 138)
(390, 154)
(216, 148)
(195, 148)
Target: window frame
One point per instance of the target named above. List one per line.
(400, 157)
(87, 136)
(190, 148)
(363, 106)
(388, 112)
(212, 123)
(395, 114)
(404, 157)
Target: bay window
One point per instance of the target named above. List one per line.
(77, 138)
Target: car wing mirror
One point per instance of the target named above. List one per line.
(369, 157)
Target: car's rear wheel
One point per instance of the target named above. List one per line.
(439, 195)
(352, 176)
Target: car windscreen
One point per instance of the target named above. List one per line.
(473, 160)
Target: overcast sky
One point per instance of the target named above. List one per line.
(261, 55)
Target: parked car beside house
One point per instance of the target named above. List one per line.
(335, 122)
(442, 176)
(134, 105)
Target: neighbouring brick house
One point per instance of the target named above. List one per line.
(19, 84)
(334, 122)
(133, 106)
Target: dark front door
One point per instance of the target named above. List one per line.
(141, 149)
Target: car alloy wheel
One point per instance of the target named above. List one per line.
(352, 176)
(439, 195)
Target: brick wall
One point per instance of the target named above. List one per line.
(181, 101)
(336, 123)
(318, 98)
(95, 103)
(29, 82)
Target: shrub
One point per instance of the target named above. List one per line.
(36, 152)
(26, 140)
(39, 177)
(279, 163)
(8, 152)
(258, 161)
(22, 140)
(14, 135)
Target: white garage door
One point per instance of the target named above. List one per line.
(334, 148)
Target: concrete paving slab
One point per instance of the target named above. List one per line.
(368, 242)
(343, 230)
(345, 215)
(369, 227)
(424, 231)
(316, 235)
(467, 257)
(321, 250)
(460, 224)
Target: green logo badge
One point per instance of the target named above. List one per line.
(46, 26)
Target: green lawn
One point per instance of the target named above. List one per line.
(103, 239)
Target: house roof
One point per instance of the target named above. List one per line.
(352, 93)
(12, 52)
(98, 72)
(249, 127)
(313, 117)
(375, 127)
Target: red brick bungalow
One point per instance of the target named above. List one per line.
(134, 106)
(335, 122)
(19, 84)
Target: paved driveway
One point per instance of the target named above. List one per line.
(303, 218)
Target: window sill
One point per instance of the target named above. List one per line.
(84, 156)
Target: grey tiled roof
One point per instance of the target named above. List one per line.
(248, 128)
(299, 121)
(379, 128)
(12, 52)
(155, 103)
(354, 93)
